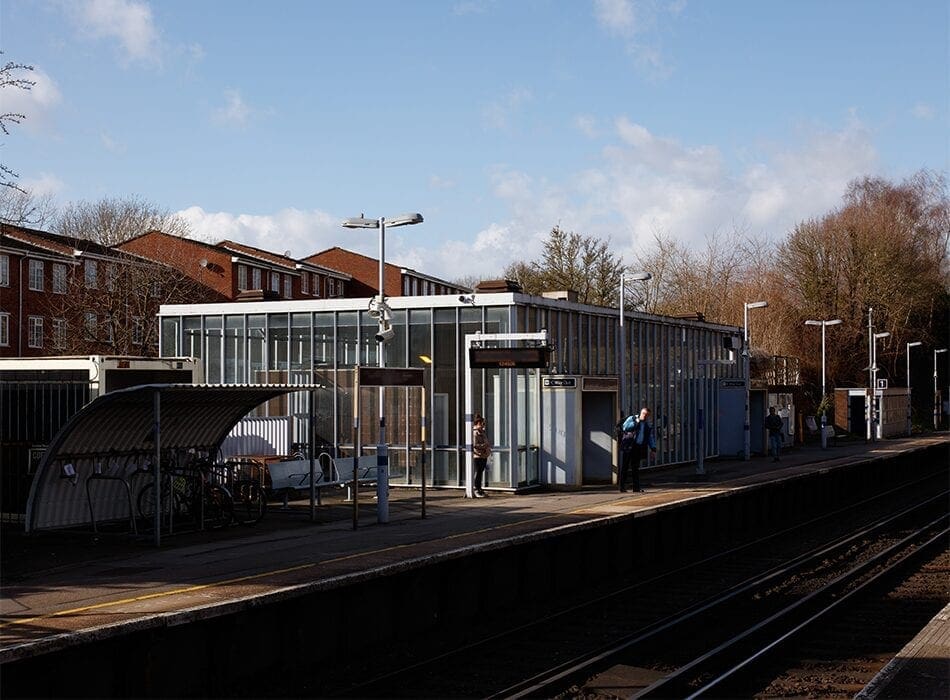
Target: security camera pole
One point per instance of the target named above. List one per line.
(382, 336)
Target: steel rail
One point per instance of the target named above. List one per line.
(542, 684)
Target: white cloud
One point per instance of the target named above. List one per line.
(617, 16)
(498, 114)
(303, 233)
(110, 144)
(37, 103)
(236, 112)
(587, 125)
(129, 22)
(922, 110)
(644, 183)
(437, 182)
(635, 22)
(44, 184)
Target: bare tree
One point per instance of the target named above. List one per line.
(570, 261)
(886, 249)
(111, 221)
(116, 313)
(11, 76)
(21, 208)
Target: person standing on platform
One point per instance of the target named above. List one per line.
(773, 423)
(481, 451)
(638, 439)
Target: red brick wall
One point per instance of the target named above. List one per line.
(184, 255)
(364, 270)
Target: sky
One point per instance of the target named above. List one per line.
(269, 123)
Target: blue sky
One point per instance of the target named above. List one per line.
(268, 123)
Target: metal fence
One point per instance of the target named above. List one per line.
(31, 413)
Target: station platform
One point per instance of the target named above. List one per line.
(920, 670)
(63, 588)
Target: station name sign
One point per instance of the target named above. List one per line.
(559, 381)
(518, 358)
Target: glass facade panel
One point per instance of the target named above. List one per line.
(191, 336)
(256, 348)
(278, 347)
(347, 335)
(323, 341)
(235, 370)
(446, 386)
(170, 340)
(213, 349)
(300, 340)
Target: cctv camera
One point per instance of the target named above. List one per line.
(467, 299)
(385, 335)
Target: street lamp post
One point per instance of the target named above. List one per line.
(384, 335)
(746, 427)
(824, 414)
(875, 417)
(637, 277)
(909, 392)
(936, 396)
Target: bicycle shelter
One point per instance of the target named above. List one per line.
(121, 437)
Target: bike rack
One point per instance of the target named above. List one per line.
(128, 491)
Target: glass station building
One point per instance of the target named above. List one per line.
(550, 426)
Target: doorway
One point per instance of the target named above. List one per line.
(597, 436)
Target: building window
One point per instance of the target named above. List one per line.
(112, 273)
(275, 282)
(59, 278)
(138, 330)
(339, 288)
(4, 330)
(4, 270)
(405, 286)
(35, 339)
(90, 325)
(331, 287)
(304, 283)
(316, 284)
(242, 277)
(256, 278)
(36, 275)
(107, 322)
(59, 333)
(288, 286)
(92, 274)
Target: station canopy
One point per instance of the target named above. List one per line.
(112, 435)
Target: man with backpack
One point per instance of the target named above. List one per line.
(637, 437)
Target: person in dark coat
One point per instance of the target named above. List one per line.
(637, 439)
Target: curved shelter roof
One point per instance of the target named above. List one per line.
(111, 438)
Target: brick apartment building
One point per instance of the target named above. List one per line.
(398, 281)
(238, 272)
(61, 295)
(66, 296)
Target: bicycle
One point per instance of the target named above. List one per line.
(189, 493)
(247, 491)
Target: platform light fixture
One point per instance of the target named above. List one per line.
(633, 277)
(824, 391)
(383, 336)
(746, 426)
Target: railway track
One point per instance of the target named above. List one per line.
(641, 626)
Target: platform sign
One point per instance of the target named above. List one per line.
(391, 376)
(568, 382)
(492, 358)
